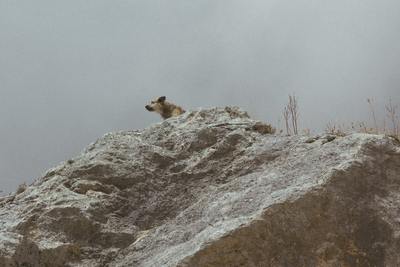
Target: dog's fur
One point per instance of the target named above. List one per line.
(164, 108)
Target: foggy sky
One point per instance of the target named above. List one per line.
(73, 70)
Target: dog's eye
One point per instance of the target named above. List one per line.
(152, 102)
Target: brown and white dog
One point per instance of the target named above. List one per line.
(164, 108)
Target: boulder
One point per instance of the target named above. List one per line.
(211, 187)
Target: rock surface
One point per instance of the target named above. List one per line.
(211, 188)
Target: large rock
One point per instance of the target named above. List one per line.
(211, 188)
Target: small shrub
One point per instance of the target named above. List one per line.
(335, 129)
(21, 188)
(263, 128)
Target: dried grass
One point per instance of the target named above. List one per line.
(378, 126)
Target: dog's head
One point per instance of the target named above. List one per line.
(156, 105)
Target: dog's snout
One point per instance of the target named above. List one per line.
(149, 108)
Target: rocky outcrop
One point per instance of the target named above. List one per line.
(211, 188)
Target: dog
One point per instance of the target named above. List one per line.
(164, 108)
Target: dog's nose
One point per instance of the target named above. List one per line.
(148, 107)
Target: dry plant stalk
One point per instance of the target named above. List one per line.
(393, 118)
(372, 109)
(294, 113)
(286, 116)
(291, 115)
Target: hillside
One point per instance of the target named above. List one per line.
(211, 188)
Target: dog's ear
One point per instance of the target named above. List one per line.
(161, 99)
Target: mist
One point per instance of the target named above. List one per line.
(71, 71)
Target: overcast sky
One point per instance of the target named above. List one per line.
(73, 70)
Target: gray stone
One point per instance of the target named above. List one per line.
(211, 188)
